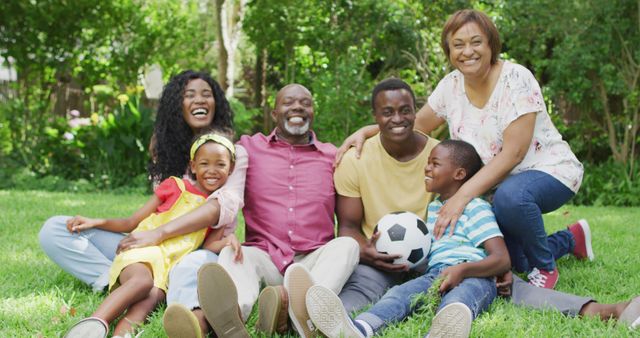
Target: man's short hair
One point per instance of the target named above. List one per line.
(463, 155)
(391, 83)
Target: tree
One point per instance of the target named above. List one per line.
(586, 53)
(229, 18)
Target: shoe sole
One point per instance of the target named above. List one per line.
(587, 238)
(631, 314)
(271, 309)
(453, 321)
(88, 328)
(179, 322)
(219, 301)
(328, 314)
(297, 281)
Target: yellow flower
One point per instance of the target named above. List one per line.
(123, 98)
(95, 118)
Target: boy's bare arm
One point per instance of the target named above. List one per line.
(496, 263)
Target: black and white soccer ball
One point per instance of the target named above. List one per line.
(404, 233)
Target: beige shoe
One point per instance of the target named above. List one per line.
(179, 322)
(297, 281)
(330, 317)
(452, 321)
(631, 314)
(273, 304)
(91, 327)
(219, 301)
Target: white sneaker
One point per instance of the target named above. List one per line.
(453, 321)
(328, 314)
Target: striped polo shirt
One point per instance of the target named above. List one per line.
(476, 225)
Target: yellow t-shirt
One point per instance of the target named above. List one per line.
(383, 183)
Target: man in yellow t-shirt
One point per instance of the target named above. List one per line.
(388, 177)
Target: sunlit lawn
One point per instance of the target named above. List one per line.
(38, 299)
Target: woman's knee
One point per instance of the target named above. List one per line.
(49, 233)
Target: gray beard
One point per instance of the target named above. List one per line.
(301, 130)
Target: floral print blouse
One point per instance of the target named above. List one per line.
(516, 93)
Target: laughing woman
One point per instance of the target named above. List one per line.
(191, 102)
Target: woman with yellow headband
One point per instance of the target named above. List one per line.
(138, 277)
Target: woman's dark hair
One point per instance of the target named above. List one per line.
(172, 135)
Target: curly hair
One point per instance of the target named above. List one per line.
(172, 135)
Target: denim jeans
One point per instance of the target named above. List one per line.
(183, 278)
(366, 285)
(518, 204)
(395, 305)
(86, 255)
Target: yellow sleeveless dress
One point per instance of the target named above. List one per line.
(163, 257)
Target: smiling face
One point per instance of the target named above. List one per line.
(470, 52)
(198, 104)
(442, 175)
(293, 114)
(395, 114)
(211, 166)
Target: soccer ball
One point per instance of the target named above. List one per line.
(404, 233)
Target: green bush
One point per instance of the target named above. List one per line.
(106, 151)
(608, 183)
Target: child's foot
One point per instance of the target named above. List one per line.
(219, 301)
(452, 321)
(273, 303)
(180, 322)
(543, 278)
(328, 314)
(297, 281)
(582, 236)
(91, 327)
(631, 314)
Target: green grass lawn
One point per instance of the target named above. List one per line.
(34, 292)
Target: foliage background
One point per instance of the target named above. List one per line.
(88, 56)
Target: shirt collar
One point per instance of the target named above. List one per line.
(273, 137)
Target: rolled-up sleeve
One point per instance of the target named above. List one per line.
(231, 195)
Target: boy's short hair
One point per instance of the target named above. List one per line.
(391, 83)
(464, 155)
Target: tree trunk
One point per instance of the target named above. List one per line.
(230, 16)
(222, 50)
(260, 89)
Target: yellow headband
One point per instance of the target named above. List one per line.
(215, 138)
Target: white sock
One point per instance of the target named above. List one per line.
(367, 328)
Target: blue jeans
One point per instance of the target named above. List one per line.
(518, 204)
(89, 254)
(395, 305)
(183, 278)
(86, 255)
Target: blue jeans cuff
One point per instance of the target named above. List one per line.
(374, 321)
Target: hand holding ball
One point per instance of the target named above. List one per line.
(404, 233)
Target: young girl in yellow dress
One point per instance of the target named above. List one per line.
(138, 277)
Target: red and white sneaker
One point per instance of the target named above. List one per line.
(543, 278)
(582, 236)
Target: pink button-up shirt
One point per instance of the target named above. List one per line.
(289, 196)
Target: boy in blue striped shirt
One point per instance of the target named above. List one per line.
(468, 260)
